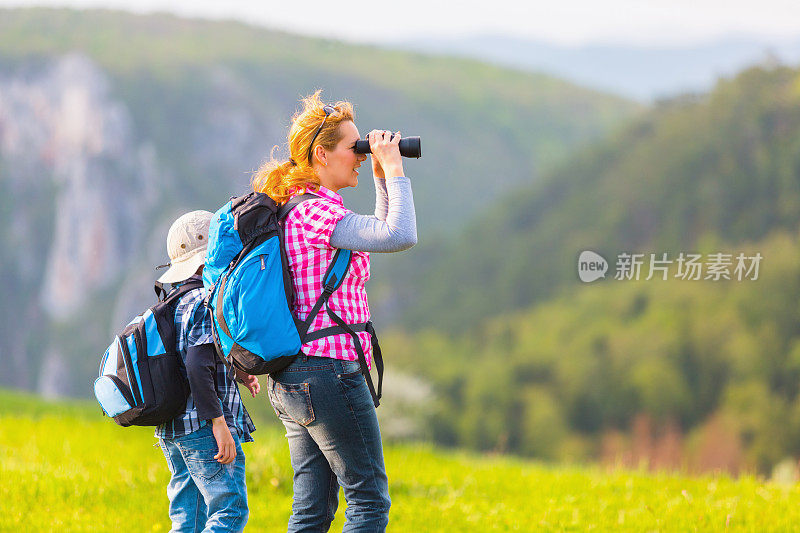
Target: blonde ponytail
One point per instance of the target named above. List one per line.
(280, 180)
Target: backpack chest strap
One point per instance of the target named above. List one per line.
(335, 330)
(332, 280)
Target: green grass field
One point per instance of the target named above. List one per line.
(64, 467)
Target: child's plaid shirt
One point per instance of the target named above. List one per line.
(307, 230)
(193, 327)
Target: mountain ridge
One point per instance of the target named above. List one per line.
(191, 109)
(644, 73)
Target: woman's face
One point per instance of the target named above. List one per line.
(340, 168)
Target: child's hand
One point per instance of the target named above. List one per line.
(225, 443)
(251, 382)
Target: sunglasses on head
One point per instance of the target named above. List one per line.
(328, 109)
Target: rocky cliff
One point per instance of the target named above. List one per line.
(65, 137)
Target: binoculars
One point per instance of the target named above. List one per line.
(409, 146)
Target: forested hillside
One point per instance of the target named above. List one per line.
(677, 373)
(720, 167)
(112, 124)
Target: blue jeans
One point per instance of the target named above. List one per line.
(334, 440)
(204, 495)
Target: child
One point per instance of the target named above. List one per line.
(202, 445)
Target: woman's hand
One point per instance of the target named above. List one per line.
(226, 446)
(386, 159)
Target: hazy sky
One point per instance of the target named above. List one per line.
(644, 22)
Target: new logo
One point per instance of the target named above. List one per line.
(591, 266)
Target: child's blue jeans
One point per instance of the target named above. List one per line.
(204, 495)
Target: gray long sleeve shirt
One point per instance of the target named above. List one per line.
(392, 228)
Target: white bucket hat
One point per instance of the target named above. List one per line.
(187, 242)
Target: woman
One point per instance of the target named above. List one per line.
(322, 397)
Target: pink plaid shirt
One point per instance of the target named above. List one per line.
(308, 231)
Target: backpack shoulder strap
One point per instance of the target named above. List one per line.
(175, 294)
(330, 282)
(164, 314)
(284, 210)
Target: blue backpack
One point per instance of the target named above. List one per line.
(142, 381)
(250, 290)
